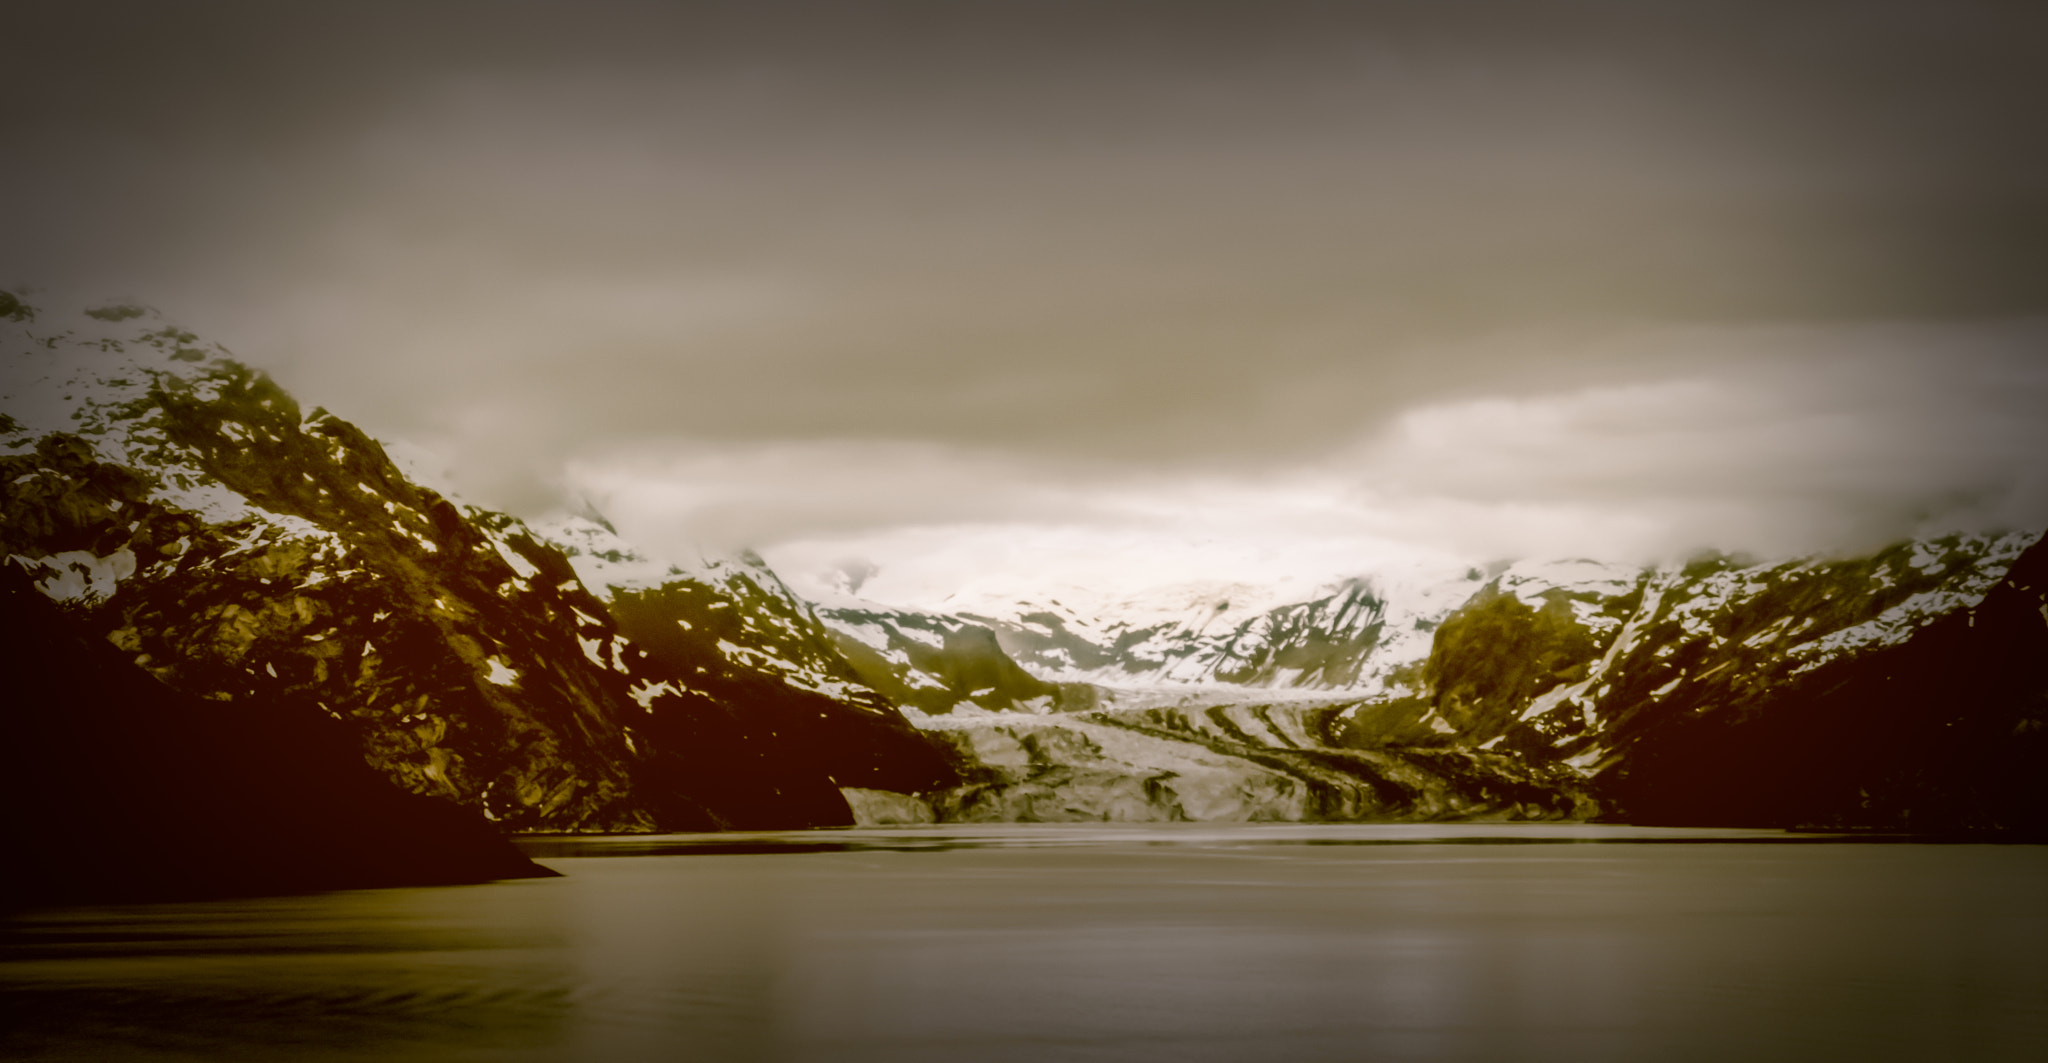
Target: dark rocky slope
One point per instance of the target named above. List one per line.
(728, 627)
(1946, 732)
(1899, 690)
(119, 788)
(1215, 634)
(936, 664)
(241, 549)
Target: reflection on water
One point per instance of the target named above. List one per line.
(1126, 835)
(352, 975)
(1191, 943)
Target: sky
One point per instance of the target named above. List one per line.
(913, 297)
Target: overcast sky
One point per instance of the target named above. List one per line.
(1044, 292)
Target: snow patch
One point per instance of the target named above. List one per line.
(526, 569)
(76, 574)
(501, 674)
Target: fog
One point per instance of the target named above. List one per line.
(1197, 285)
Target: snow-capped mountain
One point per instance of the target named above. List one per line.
(1370, 636)
(1544, 666)
(729, 629)
(238, 548)
(122, 789)
(932, 664)
(718, 615)
(1576, 673)
(185, 510)
(1346, 635)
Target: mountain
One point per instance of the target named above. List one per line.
(1932, 716)
(1578, 670)
(121, 789)
(1339, 636)
(1881, 691)
(731, 630)
(241, 549)
(932, 664)
(184, 510)
(1353, 637)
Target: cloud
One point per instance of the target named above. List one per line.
(1182, 286)
(1791, 440)
(1178, 235)
(731, 496)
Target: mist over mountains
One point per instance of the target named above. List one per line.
(1136, 529)
(1136, 293)
(240, 550)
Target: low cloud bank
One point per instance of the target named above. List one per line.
(1772, 441)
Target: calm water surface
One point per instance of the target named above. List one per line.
(1187, 943)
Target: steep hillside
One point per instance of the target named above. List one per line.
(1555, 689)
(1350, 635)
(1935, 721)
(1234, 635)
(119, 788)
(934, 664)
(242, 549)
(730, 628)
(1577, 671)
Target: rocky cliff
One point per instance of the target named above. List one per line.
(1931, 718)
(1341, 636)
(120, 788)
(932, 664)
(242, 549)
(731, 630)
(1899, 689)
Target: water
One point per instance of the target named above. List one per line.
(1190, 943)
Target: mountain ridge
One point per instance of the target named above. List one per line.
(1576, 671)
(550, 676)
(122, 789)
(241, 548)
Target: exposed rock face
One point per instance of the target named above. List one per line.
(933, 664)
(1324, 642)
(1899, 690)
(730, 628)
(1498, 653)
(243, 550)
(1902, 689)
(119, 788)
(1582, 671)
(1346, 636)
(1057, 752)
(1944, 730)
(1321, 643)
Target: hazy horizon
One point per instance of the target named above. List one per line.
(1092, 293)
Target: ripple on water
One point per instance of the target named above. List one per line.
(1155, 942)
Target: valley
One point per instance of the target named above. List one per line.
(240, 549)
